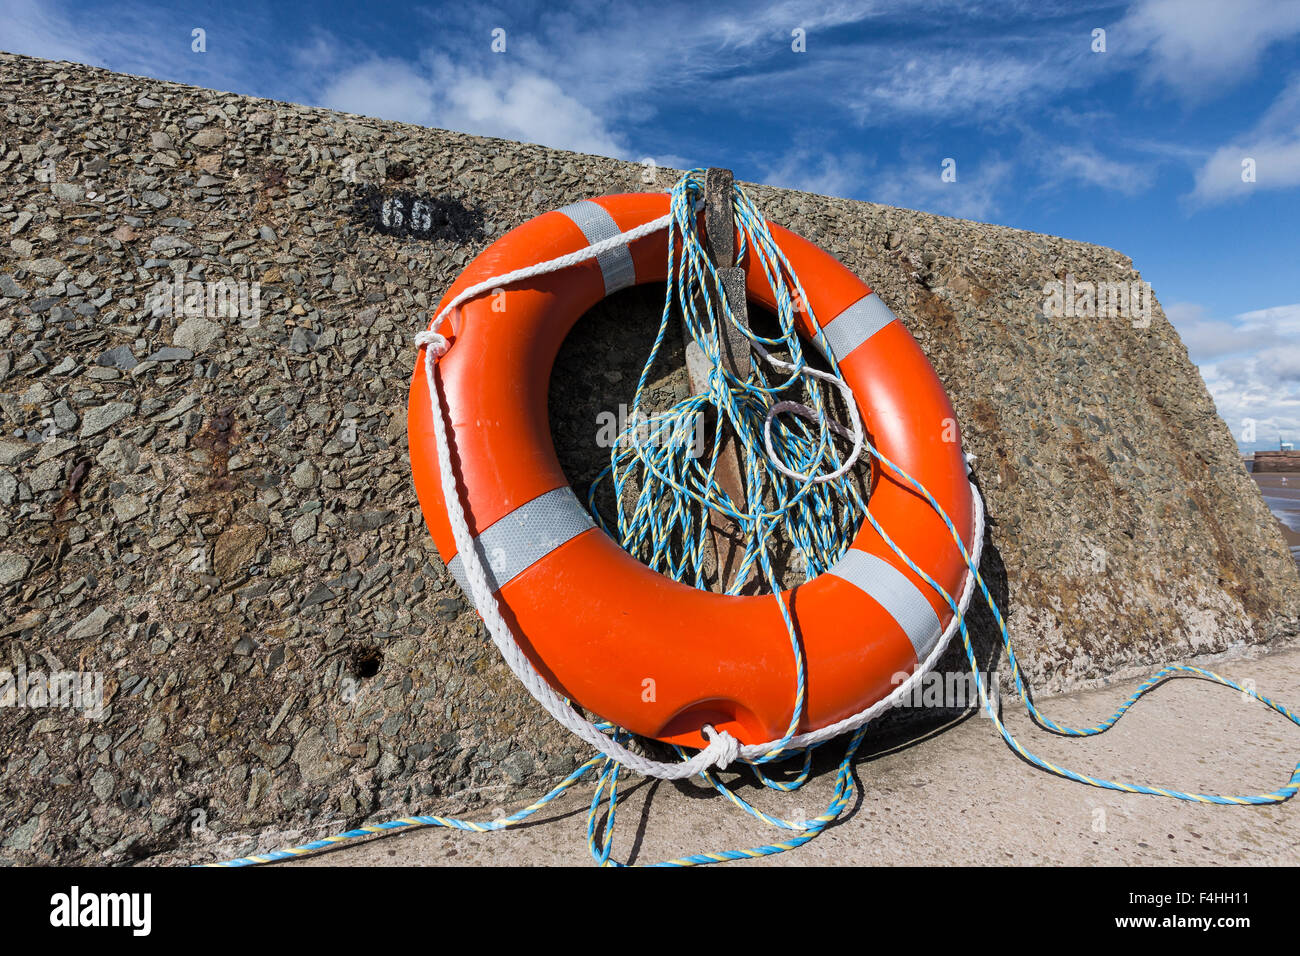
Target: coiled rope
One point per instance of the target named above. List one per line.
(785, 498)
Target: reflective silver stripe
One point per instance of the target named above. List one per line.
(525, 536)
(896, 593)
(597, 224)
(856, 324)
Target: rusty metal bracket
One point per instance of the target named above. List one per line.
(720, 243)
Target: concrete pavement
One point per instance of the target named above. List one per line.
(959, 795)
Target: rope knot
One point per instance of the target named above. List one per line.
(723, 748)
(437, 344)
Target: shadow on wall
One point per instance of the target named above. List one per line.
(597, 369)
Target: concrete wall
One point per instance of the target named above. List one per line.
(1277, 461)
(219, 519)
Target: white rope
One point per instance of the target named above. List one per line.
(803, 411)
(553, 265)
(723, 748)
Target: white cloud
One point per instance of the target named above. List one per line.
(1208, 338)
(37, 29)
(1284, 363)
(510, 102)
(919, 185)
(940, 83)
(143, 40)
(1086, 165)
(523, 104)
(315, 50)
(1201, 46)
(390, 89)
(1249, 396)
(1284, 319)
(777, 20)
(1273, 145)
(600, 79)
(830, 174)
(1276, 166)
(1251, 365)
(582, 79)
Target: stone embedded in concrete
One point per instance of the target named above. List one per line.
(196, 334)
(92, 625)
(102, 417)
(236, 548)
(13, 568)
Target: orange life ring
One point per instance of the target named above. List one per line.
(653, 655)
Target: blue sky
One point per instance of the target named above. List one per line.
(1138, 147)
